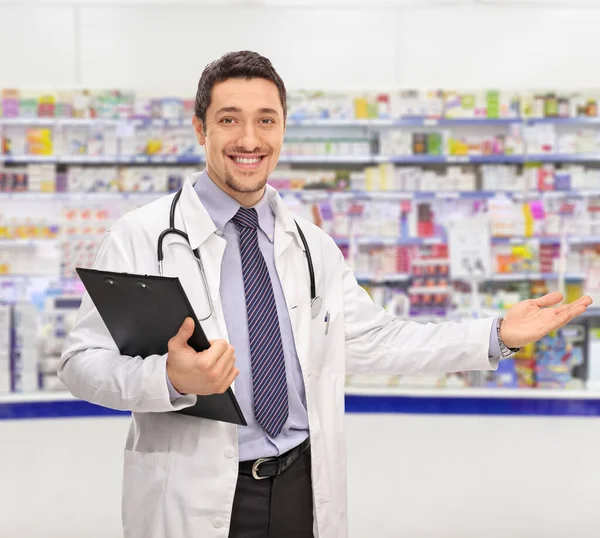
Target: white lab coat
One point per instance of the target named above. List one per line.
(180, 472)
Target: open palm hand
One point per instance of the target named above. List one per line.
(531, 320)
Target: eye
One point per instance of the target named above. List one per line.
(228, 121)
(267, 121)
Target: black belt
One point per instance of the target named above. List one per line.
(268, 467)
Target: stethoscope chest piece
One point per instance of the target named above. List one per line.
(315, 306)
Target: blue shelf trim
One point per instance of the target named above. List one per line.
(564, 158)
(430, 405)
(472, 406)
(563, 121)
(442, 122)
(423, 241)
(408, 121)
(458, 159)
(57, 409)
(318, 159)
(416, 121)
(162, 159)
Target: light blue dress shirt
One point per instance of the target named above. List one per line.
(253, 441)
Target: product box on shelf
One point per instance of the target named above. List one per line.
(559, 357)
(431, 288)
(59, 315)
(24, 350)
(5, 347)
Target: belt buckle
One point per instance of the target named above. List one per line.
(255, 466)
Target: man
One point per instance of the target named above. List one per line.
(284, 474)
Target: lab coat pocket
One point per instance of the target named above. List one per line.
(144, 481)
(324, 337)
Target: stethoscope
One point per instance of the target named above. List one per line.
(316, 302)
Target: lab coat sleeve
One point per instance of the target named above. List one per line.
(377, 342)
(93, 369)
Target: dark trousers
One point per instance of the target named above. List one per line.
(278, 507)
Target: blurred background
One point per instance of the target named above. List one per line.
(451, 148)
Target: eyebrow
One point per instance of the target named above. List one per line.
(236, 110)
(269, 111)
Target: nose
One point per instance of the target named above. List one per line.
(249, 139)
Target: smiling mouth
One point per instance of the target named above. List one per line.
(247, 162)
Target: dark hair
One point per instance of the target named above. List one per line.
(242, 64)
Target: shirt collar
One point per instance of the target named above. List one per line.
(222, 208)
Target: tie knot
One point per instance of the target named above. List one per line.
(246, 218)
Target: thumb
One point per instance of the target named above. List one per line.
(185, 331)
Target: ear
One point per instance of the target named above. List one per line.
(200, 135)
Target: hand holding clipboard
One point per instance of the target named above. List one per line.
(209, 372)
(144, 315)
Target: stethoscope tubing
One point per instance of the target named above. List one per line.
(315, 300)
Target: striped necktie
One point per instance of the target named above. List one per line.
(266, 349)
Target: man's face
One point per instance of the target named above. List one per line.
(243, 136)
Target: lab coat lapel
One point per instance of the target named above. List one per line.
(290, 262)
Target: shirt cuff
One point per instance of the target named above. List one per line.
(494, 349)
(173, 394)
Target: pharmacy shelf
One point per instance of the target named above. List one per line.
(83, 196)
(366, 278)
(107, 160)
(414, 160)
(28, 159)
(405, 122)
(470, 392)
(339, 122)
(26, 243)
(291, 122)
(449, 195)
(563, 121)
(9, 277)
(454, 122)
(367, 400)
(574, 158)
(423, 241)
(361, 241)
(328, 159)
(471, 401)
(550, 240)
(394, 241)
(519, 240)
(94, 122)
(516, 277)
(309, 193)
(387, 278)
(452, 159)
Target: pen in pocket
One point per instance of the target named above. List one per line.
(327, 318)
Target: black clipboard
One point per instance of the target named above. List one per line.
(142, 313)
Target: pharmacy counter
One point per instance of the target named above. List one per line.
(491, 463)
(527, 402)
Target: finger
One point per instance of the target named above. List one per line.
(567, 316)
(550, 299)
(585, 301)
(230, 379)
(212, 355)
(183, 335)
(225, 361)
(226, 371)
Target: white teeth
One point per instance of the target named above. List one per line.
(246, 161)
